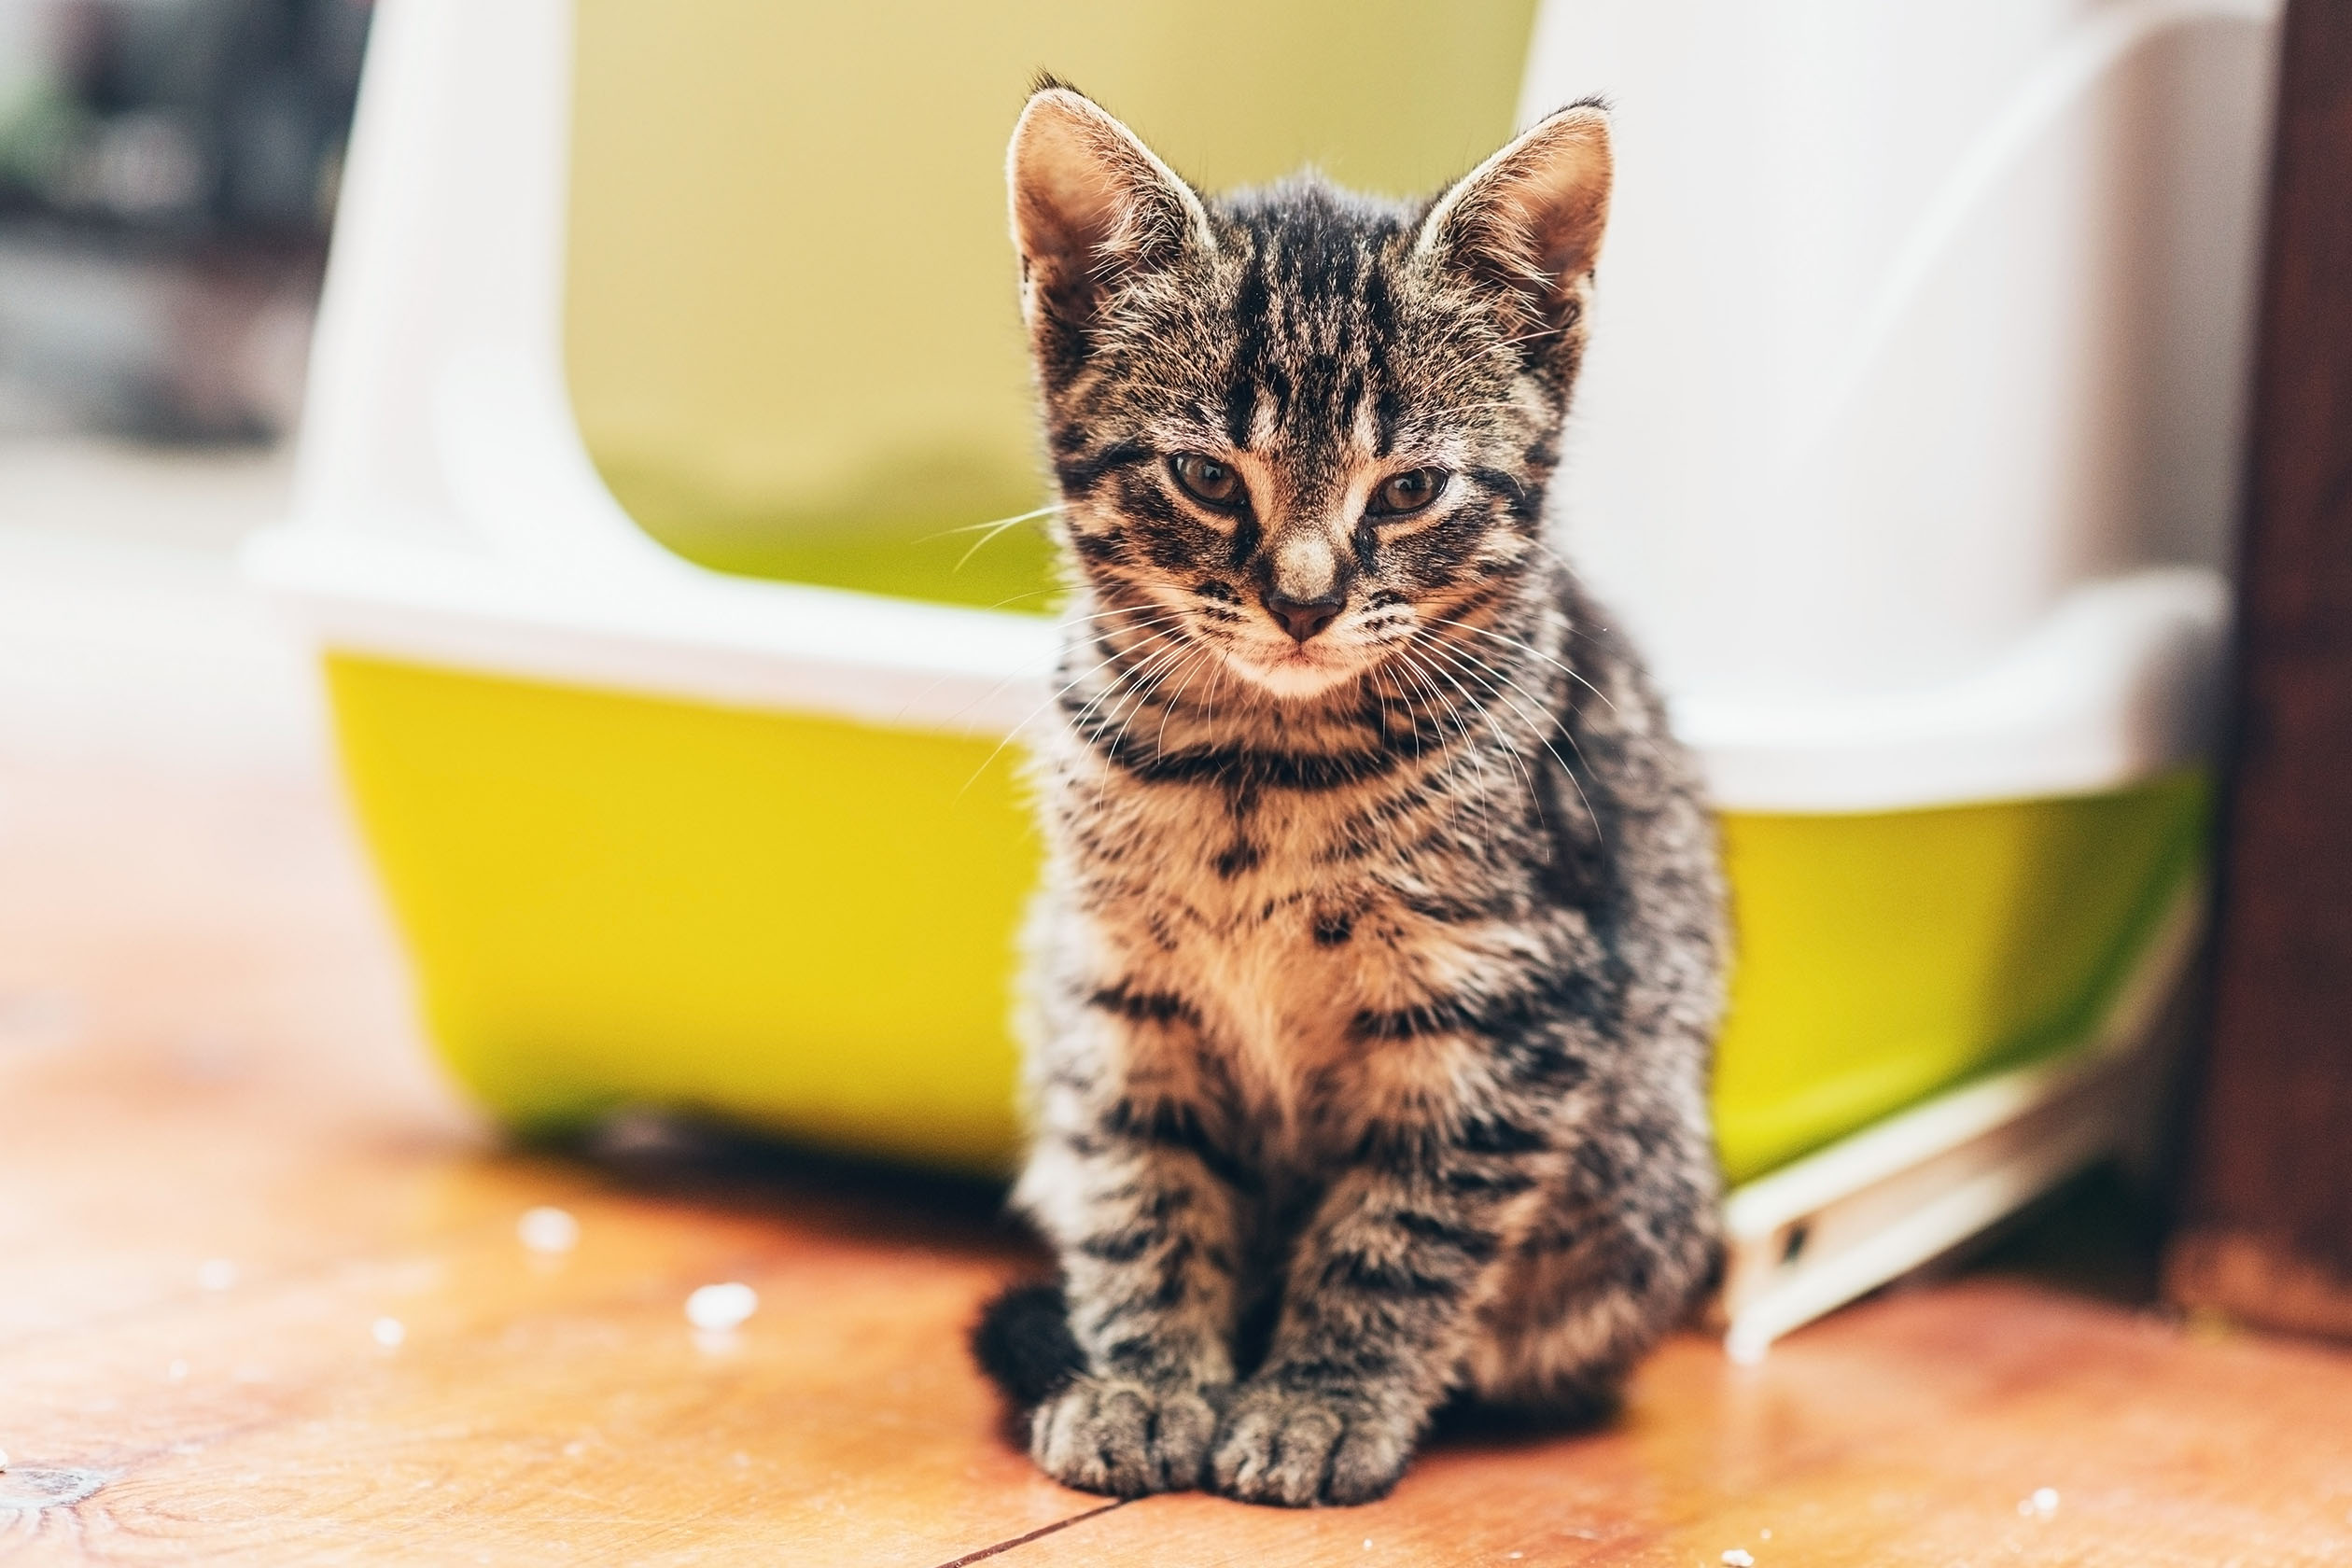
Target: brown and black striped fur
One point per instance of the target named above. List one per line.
(1372, 992)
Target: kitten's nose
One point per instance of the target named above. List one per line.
(1304, 618)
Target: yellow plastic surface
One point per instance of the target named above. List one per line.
(1884, 956)
(609, 900)
(792, 331)
(808, 925)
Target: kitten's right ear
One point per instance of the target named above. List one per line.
(1092, 208)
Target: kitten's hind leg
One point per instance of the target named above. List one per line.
(1589, 1294)
(1569, 1370)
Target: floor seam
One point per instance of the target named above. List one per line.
(986, 1552)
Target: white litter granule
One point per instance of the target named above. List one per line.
(388, 1331)
(1736, 1557)
(215, 1274)
(548, 1229)
(2041, 1504)
(716, 1308)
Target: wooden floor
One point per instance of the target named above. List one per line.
(227, 1179)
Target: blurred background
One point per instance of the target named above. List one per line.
(168, 172)
(168, 175)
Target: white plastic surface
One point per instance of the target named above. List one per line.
(1913, 320)
(1904, 444)
(1845, 1220)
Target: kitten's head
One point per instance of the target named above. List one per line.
(1298, 426)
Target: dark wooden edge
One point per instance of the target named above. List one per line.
(2266, 1203)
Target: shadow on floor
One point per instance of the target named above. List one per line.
(2100, 1234)
(714, 1165)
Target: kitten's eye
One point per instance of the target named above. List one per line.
(1206, 481)
(1409, 491)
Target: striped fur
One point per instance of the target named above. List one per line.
(1372, 991)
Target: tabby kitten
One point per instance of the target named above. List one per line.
(1372, 988)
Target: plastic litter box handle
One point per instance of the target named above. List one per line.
(437, 409)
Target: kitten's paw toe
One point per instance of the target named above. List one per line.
(1124, 1438)
(1298, 1447)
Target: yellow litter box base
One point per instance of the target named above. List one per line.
(808, 925)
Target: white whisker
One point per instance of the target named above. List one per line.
(1050, 700)
(1533, 795)
(1542, 724)
(1528, 648)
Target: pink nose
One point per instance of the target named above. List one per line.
(1304, 618)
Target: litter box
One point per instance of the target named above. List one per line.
(709, 800)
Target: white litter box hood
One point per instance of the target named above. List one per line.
(1909, 434)
(1907, 441)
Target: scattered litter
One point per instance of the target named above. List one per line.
(2041, 1504)
(547, 1230)
(716, 1308)
(30, 1489)
(388, 1331)
(216, 1274)
(177, 1371)
(1738, 1558)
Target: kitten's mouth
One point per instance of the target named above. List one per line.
(1303, 670)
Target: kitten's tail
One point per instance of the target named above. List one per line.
(1024, 1344)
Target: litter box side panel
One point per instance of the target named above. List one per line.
(809, 925)
(1887, 956)
(798, 922)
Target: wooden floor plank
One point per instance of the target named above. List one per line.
(205, 1055)
(1907, 1432)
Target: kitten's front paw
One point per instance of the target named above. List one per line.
(1125, 1438)
(1298, 1447)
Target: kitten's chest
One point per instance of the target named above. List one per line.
(1282, 937)
(1243, 878)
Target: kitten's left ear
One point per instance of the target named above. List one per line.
(1528, 221)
